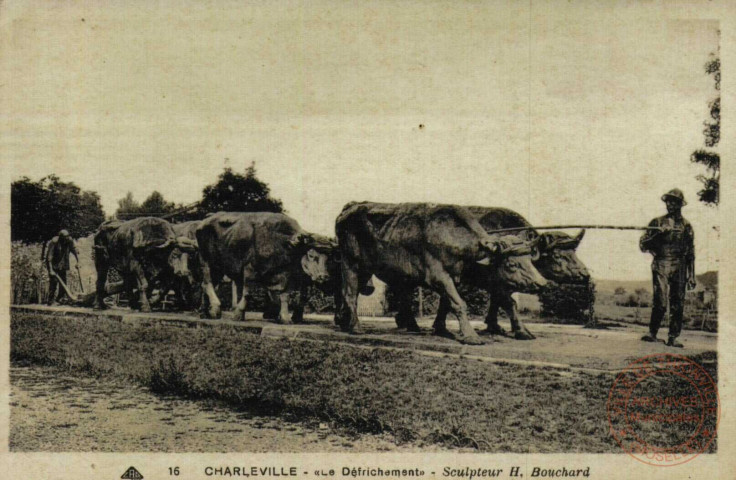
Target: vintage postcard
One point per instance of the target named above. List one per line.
(360, 240)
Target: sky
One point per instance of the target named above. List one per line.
(567, 112)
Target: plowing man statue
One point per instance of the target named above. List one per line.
(57, 264)
(673, 268)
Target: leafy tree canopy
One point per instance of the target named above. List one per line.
(711, 180)
(153, 206)
(39, 210)
(235, 192)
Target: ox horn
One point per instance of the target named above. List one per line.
(579, 237)
(536, 252)
(165, 244)
(518, 248)
(484, 261)
(549, 242)
(492, 247)
(301, 239)
(187, 244)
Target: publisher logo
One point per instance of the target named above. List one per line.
(132, 474)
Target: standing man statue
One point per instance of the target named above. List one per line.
(57, 263)
(673, 268)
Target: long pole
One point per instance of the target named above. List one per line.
(561, 227)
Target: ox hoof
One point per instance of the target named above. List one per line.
(470, 340)
(284, 321)
(413, 328)
(523, 335)
(494, 329)
(443, 333)
(404, 321)
(214, 313)
(238, 314)
(350, 328)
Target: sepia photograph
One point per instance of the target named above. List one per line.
(379, 239)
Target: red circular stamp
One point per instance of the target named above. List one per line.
(664, 409)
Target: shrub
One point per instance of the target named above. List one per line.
(567, 302)
(28, 278)
(634, 300)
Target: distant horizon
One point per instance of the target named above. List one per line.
(643, 280)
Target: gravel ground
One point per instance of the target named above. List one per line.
(57, 412)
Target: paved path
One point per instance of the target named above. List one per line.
(556, 346)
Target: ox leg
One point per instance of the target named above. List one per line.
(440, 321)
(518, 328)
(239, 310)
(237, 294)
(349, 305)
(284, 317)
(142, 285)
(492, 326)
(272, 311)
(405, 317)
(130, 286)
(298, 315)
(447, 288)
(337, 296)
(102, 268)
(210, 302)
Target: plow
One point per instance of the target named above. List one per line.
(87, 299)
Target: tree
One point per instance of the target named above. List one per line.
(234, 192)
(156, 206)
(620, 291)
(153, 206)
(712, 132)
(127, 207)
(39, 210)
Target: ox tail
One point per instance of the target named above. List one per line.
(43, 252)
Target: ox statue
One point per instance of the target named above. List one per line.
(556, 260)
(188, 288)
(140, 250)
(270, 249)
(331, 287)
(407, 245)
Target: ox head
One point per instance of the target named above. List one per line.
(511, 264)
(178, 251)
(558, 261)
(315, 252)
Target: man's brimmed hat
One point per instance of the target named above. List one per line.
(64, 233)
(675, 194)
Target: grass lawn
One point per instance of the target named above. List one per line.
(450, 401)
